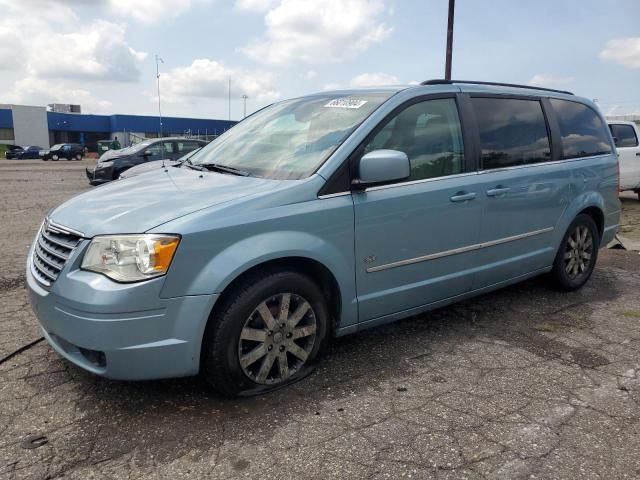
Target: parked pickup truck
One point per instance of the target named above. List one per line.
(625, 136)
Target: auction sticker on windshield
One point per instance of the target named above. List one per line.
(346, 103)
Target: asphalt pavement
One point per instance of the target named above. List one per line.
(525, 382)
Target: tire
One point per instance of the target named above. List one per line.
(78, 156)
(571, 267)
(55, 158)
(238, 327)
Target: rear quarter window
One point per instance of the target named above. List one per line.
(583, 132)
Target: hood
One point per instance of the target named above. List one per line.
(148, 167)
(140, 203)
(110, 155)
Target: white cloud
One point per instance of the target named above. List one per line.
(41, 92)
(255, 5)
(98, 51)
(153, 11)
(206, 78)
(59, 46)
(549, 80)
(317, 31)
(625, 51)
(374, 80)
(310, 74)
(58, 56)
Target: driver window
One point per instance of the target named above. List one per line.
(429, 133)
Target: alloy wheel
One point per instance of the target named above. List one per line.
(277, 339)
(578, 252)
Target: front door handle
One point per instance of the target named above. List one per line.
(463, 197)
(497, 192)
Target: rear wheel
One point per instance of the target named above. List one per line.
(78, 156)
(266, 334)
(577, 255)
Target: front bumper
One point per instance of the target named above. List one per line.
(120, 331)
(98, 176)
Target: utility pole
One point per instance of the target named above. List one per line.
(158, 59)
(229, 98)
(447, 67)
(244, 111)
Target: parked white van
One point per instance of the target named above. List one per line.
(625, 136)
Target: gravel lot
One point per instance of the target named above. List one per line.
(521, 383)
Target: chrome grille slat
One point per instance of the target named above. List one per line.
(57, 241)
(43, 269)
(48, 259)
(51, 251)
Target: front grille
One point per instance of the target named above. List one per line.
(52, 249)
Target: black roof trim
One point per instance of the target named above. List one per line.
(441, 81)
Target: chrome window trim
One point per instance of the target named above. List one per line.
(539, 164)
(482, 172)
(416, 182)
(456, 251)
(333, 195)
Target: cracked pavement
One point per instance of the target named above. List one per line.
(525, 382)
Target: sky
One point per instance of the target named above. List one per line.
(101, 53)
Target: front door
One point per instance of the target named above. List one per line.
(414, 240)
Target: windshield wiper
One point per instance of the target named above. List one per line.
(190, 164)
(224, 169)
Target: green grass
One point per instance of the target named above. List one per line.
(3, 148)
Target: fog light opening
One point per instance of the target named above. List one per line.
(95, 357)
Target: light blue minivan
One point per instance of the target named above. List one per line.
(321, 216)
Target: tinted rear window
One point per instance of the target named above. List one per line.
(624, 135)
(583, 132)
(512, 132)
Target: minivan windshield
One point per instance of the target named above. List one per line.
(291, 139)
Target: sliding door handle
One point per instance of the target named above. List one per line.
(497, 192)
(463, 197)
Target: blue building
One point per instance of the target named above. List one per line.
(26, 125)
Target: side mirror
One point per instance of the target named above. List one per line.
(382, 166)
(146, 153)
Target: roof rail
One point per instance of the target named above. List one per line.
(441, 81)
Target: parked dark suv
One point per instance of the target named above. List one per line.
(113, 162)
(68, 151)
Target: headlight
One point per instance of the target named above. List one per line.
(130, 258)
(104, 164)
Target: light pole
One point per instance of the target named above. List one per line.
(447, 66)
(158, 59)
(244, 111)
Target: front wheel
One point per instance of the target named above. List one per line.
(577, 255)
(266, 334)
